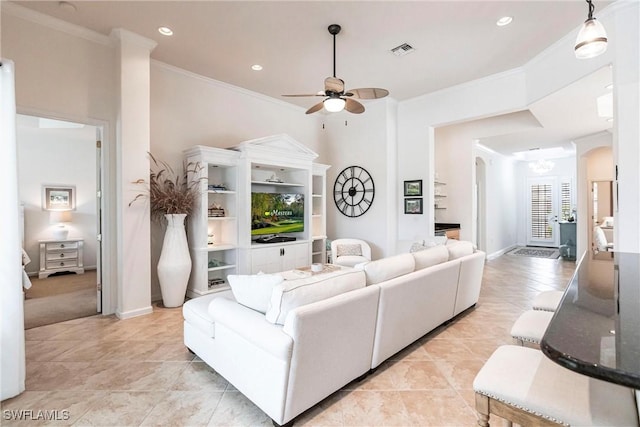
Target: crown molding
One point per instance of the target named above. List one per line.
(22, 12)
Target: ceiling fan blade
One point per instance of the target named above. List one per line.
(315, 108)
(353, 106)
(333, 84)
(368, 93)
(306, 94)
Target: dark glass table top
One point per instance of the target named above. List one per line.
(596, 329)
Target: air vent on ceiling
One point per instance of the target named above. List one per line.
(402, 50)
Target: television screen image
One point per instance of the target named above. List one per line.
(276, 213)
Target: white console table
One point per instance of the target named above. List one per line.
(60, 255)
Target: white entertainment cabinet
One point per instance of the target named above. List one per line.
(221, 242)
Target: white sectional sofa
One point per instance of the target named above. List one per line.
(322, 331)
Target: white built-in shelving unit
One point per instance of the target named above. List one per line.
(223, 245)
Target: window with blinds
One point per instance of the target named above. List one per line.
(541, 208)
(565, 201)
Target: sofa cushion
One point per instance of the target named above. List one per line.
(459, 249)
(430, 256)
(291, 294)
(254, 291)
(388, 268)
(349, 250)
(196, 312)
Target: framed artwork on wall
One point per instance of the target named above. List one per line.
(413, 205)
(413, 188)
(58, 197)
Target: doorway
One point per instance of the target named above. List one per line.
(550, 201)
(60, 158)
(543, 207)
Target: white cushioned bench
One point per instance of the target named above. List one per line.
(531, 326)
(522, 385)
(547, 300)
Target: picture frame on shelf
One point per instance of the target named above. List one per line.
(58, 197)
(413, 206)
(413, 188)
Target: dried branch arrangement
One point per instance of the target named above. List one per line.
(168, 192)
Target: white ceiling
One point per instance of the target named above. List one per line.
(455, 41)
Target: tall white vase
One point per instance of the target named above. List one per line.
(174, 266)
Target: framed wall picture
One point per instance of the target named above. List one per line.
(58, 197)
(413, 188)
(413, 205)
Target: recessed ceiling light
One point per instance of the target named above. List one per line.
(505, 20)
(256, 67)
(609, 86)
(165, 31)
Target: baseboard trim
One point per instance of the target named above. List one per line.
(134, 313)
(501, 252)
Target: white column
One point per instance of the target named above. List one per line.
(626, 136)
(12, 358)
(132, 146)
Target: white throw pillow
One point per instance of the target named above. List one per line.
(459, 249)
(350, 249)
(431, 256)
(427, 243)
(389, 268)
(291, 294)
(254, 291)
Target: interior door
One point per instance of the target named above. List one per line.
(543, 206)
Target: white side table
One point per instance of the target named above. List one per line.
(60, 255)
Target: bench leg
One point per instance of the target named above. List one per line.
(482, 408)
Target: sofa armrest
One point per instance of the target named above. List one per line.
(251, 326)
(469, 281)
(333, 346)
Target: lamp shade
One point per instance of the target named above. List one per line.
(591, 40)
(334, 105)
(57, 217)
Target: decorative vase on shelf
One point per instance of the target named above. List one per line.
(174, 266)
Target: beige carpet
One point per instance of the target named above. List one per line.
(59, 298)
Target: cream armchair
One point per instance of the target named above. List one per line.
(349, 252)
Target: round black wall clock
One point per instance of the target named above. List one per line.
(353, 191)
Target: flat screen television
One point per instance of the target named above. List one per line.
(276, 213)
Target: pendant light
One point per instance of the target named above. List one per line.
(592, 38)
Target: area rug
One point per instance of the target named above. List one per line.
(550, 253)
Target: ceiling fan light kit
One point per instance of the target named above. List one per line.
(592, 37)
(336, 99)
(334, 105)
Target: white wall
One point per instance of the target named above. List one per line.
(417, 122)
(511, 91)
(188, 109)
(362, 140)
(67, 72)
(500, 209)
(61, 157)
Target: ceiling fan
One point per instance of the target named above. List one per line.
(336, 98)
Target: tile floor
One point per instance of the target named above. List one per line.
(100, 371)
